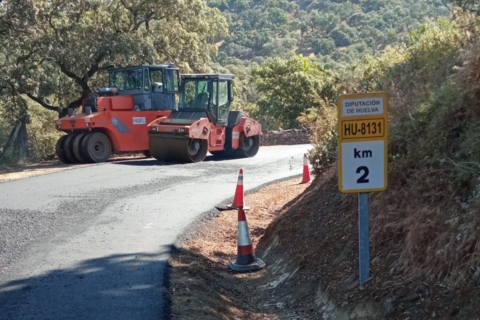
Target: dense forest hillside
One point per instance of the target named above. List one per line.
(331, 32)
(318, 46)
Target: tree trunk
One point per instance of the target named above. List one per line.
(11, 139)
(20, 146)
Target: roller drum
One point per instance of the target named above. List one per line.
(177, 148)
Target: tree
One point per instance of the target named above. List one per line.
(323, 46)
(341, 38)
(52, 50)
(470, 5)
(288, 88)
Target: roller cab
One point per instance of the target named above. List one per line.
(204, 123)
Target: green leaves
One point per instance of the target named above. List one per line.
(279, 28)
(288, 88)
(54, 49)
(470, 5)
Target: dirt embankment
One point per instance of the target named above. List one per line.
(421, 258)
(286, 137)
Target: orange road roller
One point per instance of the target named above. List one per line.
(115, 119)
(204, 123)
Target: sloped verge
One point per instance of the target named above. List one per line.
(309, 241)
(422, 252)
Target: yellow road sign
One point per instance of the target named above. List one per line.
(363, 142)
(366, 128)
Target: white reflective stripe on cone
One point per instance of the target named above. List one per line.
(243, 234)
(240, 180)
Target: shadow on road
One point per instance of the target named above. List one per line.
(145, 163)
(126, 286)
(206, 288)
(154, 162)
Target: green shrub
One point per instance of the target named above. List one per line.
(41, 132)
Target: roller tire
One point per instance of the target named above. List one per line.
(77, 147)
(242, 151)
(201, 153)
(96, 147)
(68, 148)
(83, 148)
(60, 151)
(252, 149)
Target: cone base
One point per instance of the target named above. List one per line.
(232, 207)
(256, 265)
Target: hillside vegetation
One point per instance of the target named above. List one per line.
(425, 227)
(291, 58)
(331, 32)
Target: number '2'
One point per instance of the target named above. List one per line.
(363, 178)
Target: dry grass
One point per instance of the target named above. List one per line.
(425, 228)
(424, 247)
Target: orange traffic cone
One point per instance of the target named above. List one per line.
(306, 170)
(239, 195)
(246, 260)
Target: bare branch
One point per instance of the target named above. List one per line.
(129, 8)
(26, 57)
(49, 19)
(83, 82)
(94, 67)
(77, 103)
(41, 102)
(69, 74)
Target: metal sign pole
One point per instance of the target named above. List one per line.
(364, 238)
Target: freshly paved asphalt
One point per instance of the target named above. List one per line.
(92, 242)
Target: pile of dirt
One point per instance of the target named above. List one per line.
(286, 137)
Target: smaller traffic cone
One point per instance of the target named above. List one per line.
(306, 170)
(238, 199)
(239, 195)
(246, 260)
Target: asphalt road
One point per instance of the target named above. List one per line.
(92, 243)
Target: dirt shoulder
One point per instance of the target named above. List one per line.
(27, 170)
(10, 173)
(201, 282)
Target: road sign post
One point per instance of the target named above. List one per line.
(363, 238)
(362, 158)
